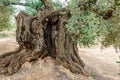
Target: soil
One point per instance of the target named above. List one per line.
(101, 64)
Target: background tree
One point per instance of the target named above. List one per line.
(5, 14)
(8, 8)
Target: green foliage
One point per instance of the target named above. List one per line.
(112, 36)
(8, 2)
(104, 5)
(84, 26)
(4, 2)
(34, 6)
(5, 14)
(6, 10)
(30, 11)
(57, 5)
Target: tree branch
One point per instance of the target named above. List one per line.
(109, 12)
(97, 1)
(46, 4)
(22, 4)
(106, 15)
(7, 3)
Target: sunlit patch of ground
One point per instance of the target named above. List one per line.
(101, 63)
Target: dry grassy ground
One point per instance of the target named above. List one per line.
(100, 64)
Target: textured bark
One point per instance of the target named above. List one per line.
(41, 36)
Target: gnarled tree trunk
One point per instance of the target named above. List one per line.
(41, 36)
